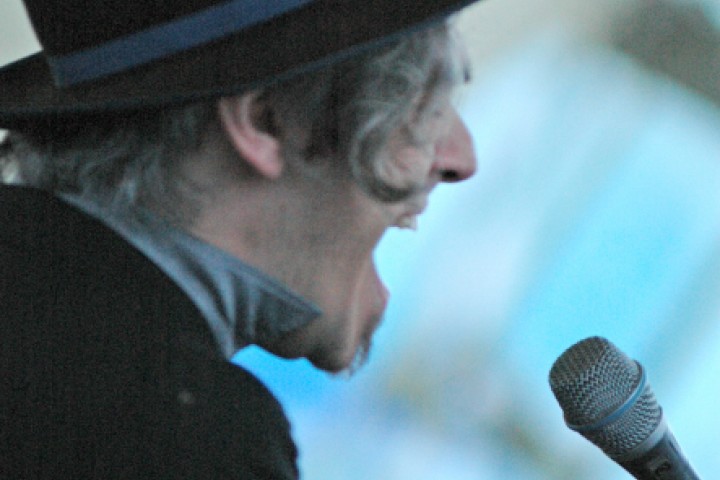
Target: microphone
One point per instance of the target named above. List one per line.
(605, 397)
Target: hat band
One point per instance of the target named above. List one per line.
(164, 40)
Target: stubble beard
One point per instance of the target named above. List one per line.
(362, 354)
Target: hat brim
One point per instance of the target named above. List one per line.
(302, 41)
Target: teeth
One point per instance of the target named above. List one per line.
(408, 222)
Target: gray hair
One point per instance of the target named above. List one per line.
(132, 160)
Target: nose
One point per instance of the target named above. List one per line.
(454, 154)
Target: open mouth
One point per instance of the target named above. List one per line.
(407, 222)
(409, 219)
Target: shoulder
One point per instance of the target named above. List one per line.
(116, 334)
(243, 426)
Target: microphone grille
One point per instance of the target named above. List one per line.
(591, 381)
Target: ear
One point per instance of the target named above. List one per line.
(260, 149)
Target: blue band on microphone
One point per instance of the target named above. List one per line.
(173, 37)
(622, 410)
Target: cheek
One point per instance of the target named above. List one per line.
(407, 167)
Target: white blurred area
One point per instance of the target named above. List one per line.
(596, 211)
(16, 36)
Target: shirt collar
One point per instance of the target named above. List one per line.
(241, 304)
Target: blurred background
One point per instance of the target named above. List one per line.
(596, 211)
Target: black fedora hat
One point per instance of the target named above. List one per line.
(133, 54)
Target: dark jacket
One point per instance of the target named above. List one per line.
(109, 370)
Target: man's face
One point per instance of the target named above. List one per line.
(334, 266)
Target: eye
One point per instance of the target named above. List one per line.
(415, 136)
(426, 129)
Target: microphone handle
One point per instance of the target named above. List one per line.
(665, 461)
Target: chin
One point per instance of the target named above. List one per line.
(345, 363)
(359, 360)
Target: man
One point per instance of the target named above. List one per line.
(197, 178)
